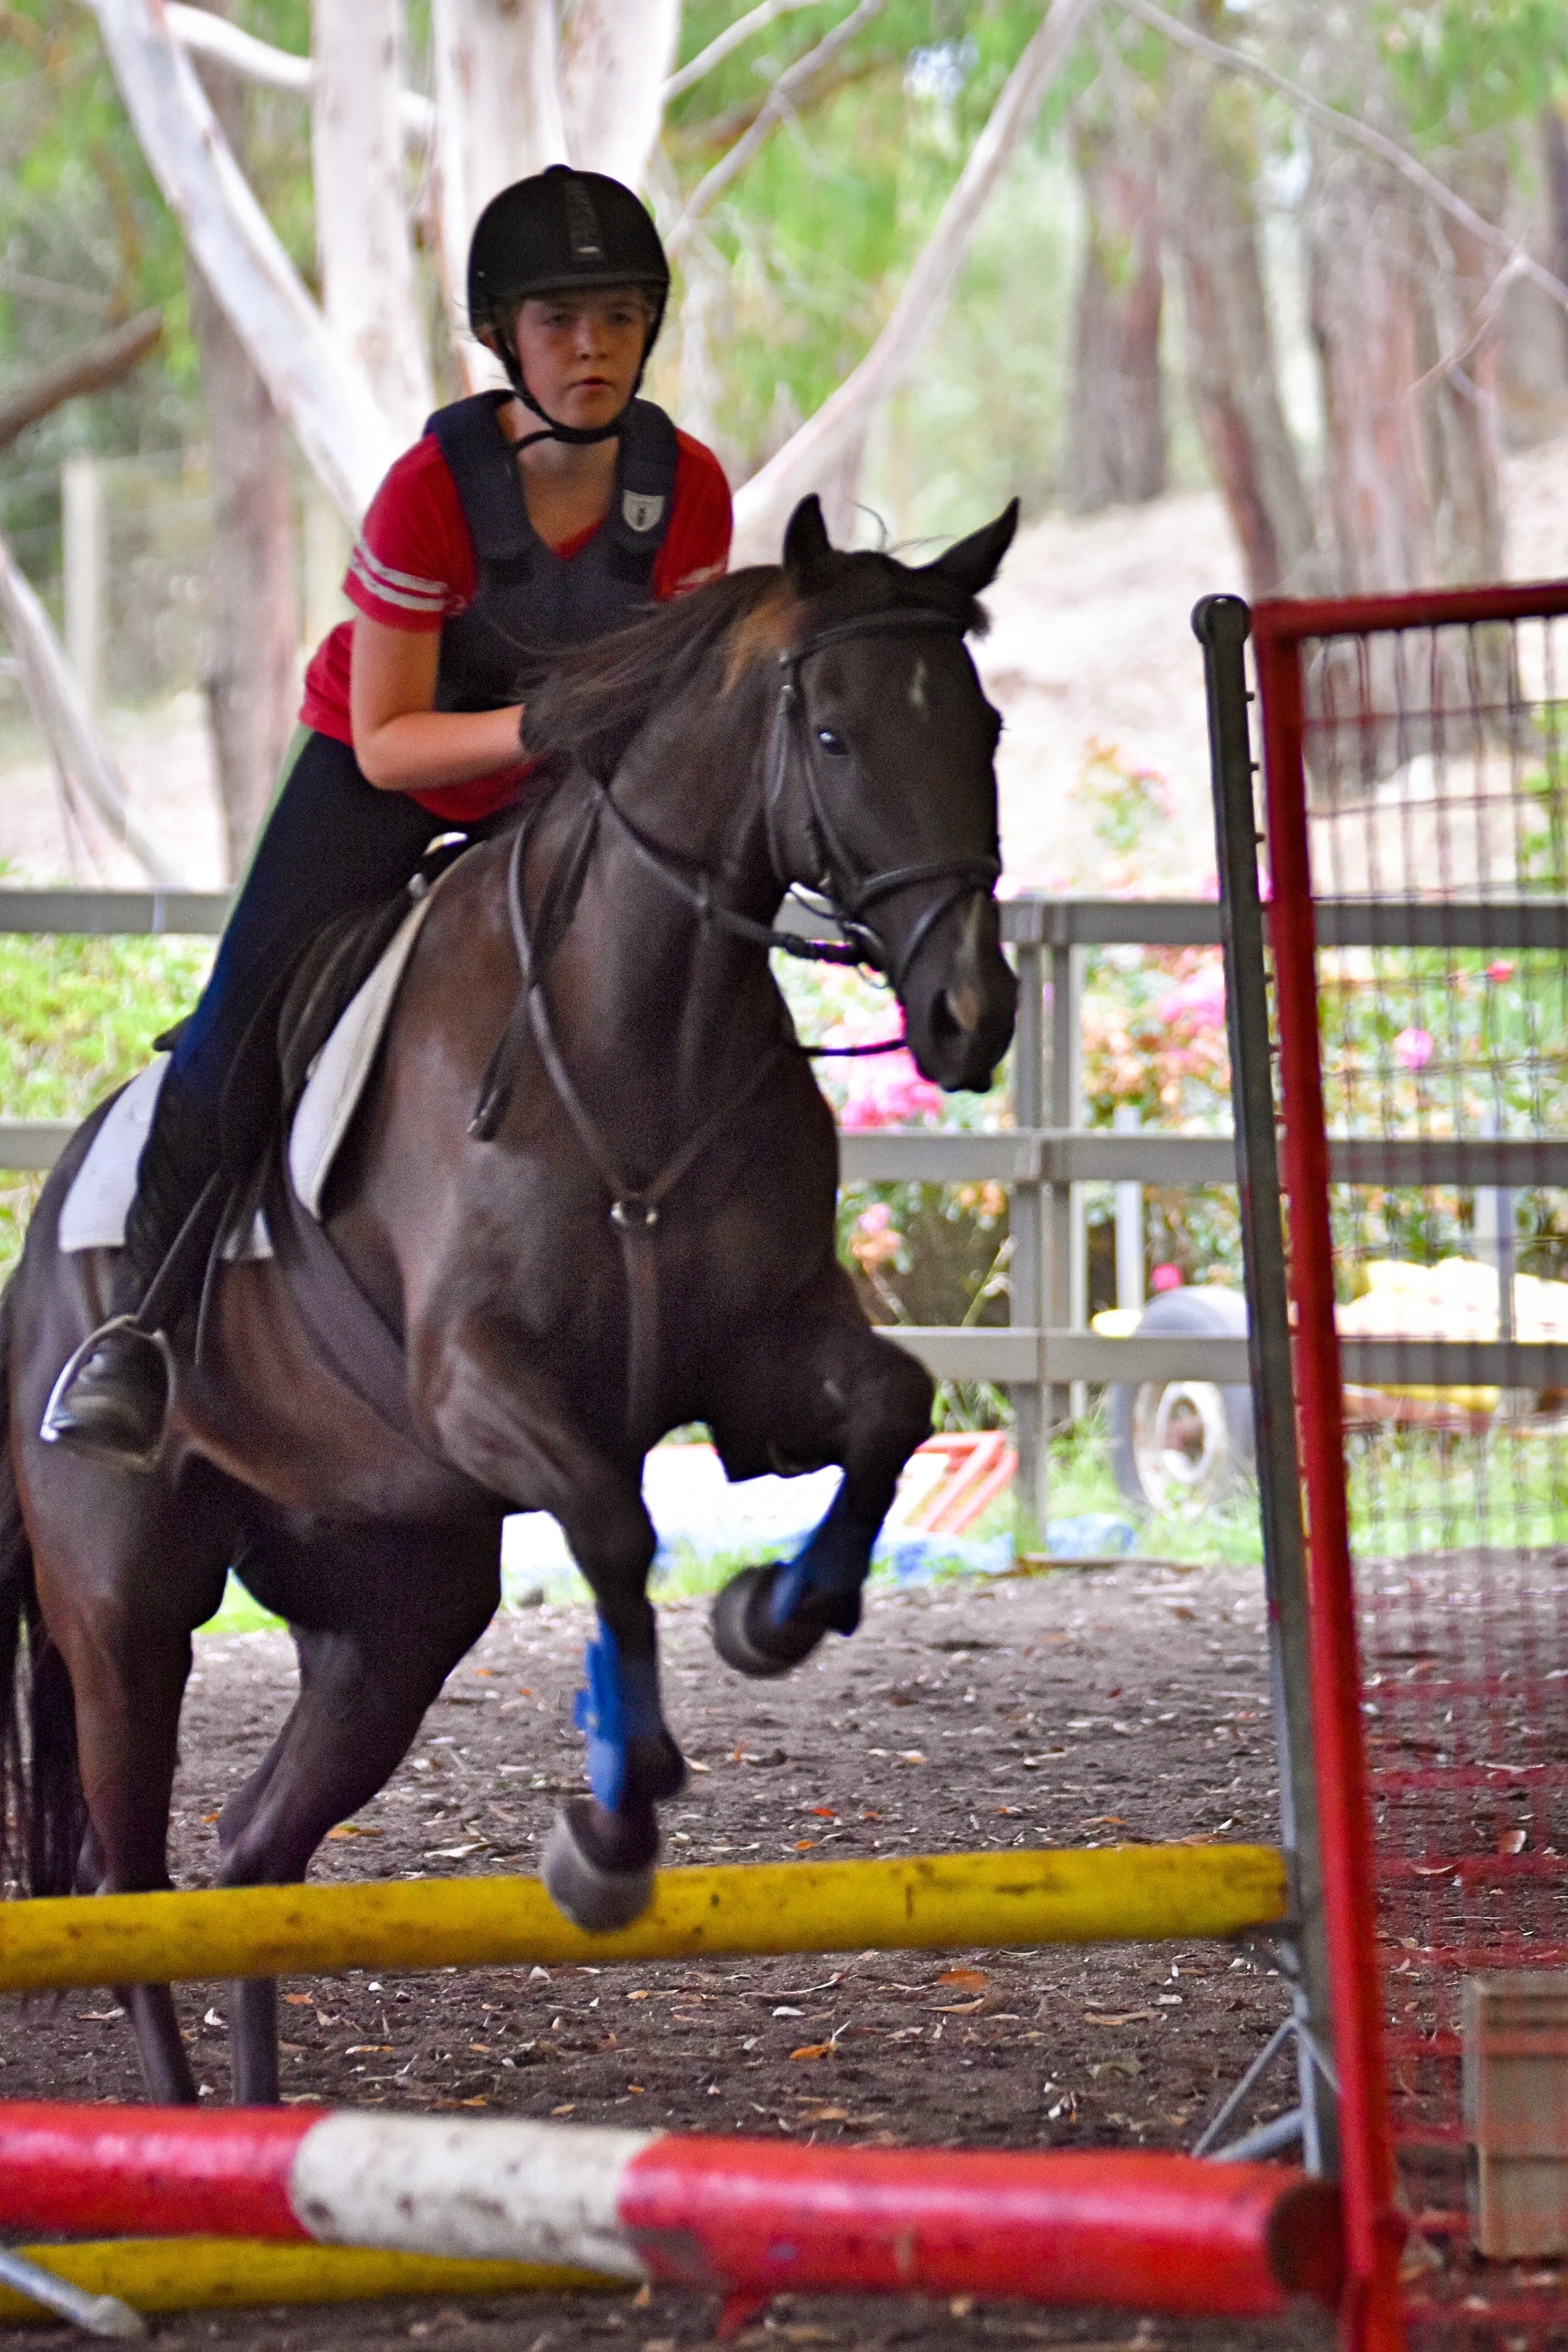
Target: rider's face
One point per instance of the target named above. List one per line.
(581, 352)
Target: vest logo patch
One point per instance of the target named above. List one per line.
(642, 512)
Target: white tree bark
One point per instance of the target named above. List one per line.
(498, 118)
(56, 701)
(368, 292)
(325, 398)
(614, 61)
(808, 458)
(204, 35)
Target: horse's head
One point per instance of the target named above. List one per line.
(881, 782)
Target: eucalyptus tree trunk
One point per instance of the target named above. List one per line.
(1459, 403)
(1366, 246)
(253, 622)
(615, 62)
(1115, 452)
(498, 118)
(1231, 367)
(368, 290)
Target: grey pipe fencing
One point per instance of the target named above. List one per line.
(1046, 1351)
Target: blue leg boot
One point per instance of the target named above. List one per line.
(769, 1618)
(599, 1864)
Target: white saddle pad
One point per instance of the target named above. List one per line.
(99, 1202)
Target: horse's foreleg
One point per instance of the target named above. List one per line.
(504, 1421)
(831, 1390)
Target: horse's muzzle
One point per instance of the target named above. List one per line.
(960, 998)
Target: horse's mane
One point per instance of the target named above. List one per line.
(587, 702)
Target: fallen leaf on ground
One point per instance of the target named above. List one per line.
(813, 2050)
(1125, 2017)
(299, 1999)
(352, 1829)
(964, 1977)
(1512, 1842)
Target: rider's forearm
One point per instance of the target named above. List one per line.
(421, 750)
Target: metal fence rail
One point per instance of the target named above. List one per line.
(1048, 1154)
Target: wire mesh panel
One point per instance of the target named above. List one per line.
(1417, 785)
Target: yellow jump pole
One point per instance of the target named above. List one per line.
(227, 2274)
(922, 1903)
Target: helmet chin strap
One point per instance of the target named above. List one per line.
(579, 436)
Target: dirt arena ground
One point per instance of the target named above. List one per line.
(1075, 1709)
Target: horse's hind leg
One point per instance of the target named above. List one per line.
(827, 1391)
(128, 1666)
(390, 1627)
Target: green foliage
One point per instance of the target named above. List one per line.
(1460, 68)
(77, 1018)
(809, 247)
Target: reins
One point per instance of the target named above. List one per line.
(635, 1208)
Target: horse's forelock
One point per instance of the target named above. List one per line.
(764, 633)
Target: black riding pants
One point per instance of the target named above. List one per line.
(333, 844)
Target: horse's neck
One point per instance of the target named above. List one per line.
(660, 1013)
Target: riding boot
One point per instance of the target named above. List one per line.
(112, 1397)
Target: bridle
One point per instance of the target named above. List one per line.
(847, 892)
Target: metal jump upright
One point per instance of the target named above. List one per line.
(1417, 921)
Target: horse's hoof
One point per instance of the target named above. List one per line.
(744, 1635)
(583, 1882)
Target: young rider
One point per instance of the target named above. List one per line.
(546, 516)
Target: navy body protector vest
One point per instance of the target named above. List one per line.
(527, 597)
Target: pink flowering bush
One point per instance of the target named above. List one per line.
(887, 1092)
(1413, 1048)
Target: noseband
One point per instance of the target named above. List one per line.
(849, 892)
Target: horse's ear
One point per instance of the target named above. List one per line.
(973, 562)
(806, 547)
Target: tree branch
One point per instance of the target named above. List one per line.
(761, 504)
(780, 98)
(322, 396)
(56, 703)
(201, 34)
(98, 364)
(718, 130)
(1360, 134)
(718, 48)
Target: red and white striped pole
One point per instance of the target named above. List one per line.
(746, 2217)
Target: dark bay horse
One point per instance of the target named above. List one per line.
(636, 1232)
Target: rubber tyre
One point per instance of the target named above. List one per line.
(1229, 1453)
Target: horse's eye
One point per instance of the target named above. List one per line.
(833, 743)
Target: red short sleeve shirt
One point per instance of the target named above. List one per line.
(413, 568)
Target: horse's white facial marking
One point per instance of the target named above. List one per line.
(918, 689)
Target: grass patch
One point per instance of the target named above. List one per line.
(1228, 1533)
(240, 1612)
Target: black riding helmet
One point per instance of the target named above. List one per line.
(555, 233)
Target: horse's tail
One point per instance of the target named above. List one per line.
(43, 1812)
